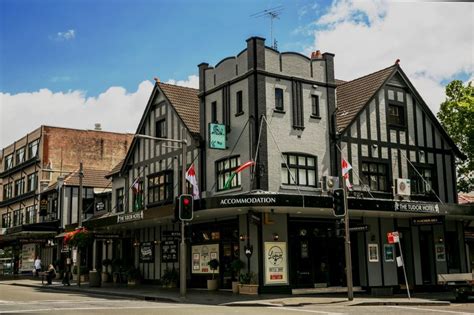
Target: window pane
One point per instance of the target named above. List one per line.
(284, 175)
(293, 176)
(293, 159)
(381, 169)
(373, 183)
(311, 178)
(365, 167)
(373, 168)
(382, 184)
(310, 161)
(302, 177)
(301, 160)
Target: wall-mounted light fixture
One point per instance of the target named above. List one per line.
(275, 236)
(242, 237)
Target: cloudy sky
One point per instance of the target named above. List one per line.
(75, 63)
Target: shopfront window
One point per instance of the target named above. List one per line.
(224, 171)
(375, 176)
(160, 187)
(299, 169)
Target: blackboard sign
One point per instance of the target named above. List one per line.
(43, 207)
(169, 251)
(147, 252)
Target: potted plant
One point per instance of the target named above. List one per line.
(170, 278)
(248, 284)
(212, 284)
(116, 266)
(105, 272)
(236, 265)
(133, 276)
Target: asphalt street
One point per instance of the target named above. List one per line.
(24, 300)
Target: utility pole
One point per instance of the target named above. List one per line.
(79, 223)
(182, 258)
(347, 245)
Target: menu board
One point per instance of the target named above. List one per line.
(169, 251)
(147, 252)
(276, 263)
(202, 255)
(27, 257)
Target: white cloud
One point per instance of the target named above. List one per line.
(192, 82)
(67, 35)
(116, 109)
(433, 40)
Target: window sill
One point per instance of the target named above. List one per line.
(239, 114)
(224, 192)
(302, 188)
(315, 117)
(279, 111)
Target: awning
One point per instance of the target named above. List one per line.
(34, 229)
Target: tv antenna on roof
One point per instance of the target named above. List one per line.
(272, 13)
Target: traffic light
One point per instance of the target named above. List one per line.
(338, 202)
(186, 206)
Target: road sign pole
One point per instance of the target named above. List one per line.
(182, 249)
(404, 271)
(350, 291)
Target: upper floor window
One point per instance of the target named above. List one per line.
(33, 149)
(32, 182)
(315, 105)
(119, 199)
(279, 105)
(375, 175)
(421, 185)
(160, 187)
(6, 220)
(239, 108)
(8, 161)
(17, 217)
(160, 131)
(20, 155)
(214, 112)
(7, 191)
(396, 115)
(19, 187)
(224, 170)
(299, 169)
(30, 215)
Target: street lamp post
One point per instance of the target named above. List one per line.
(182, 254)
(79, 223)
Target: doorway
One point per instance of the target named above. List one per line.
(428, 271)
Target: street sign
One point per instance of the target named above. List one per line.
(393, 237)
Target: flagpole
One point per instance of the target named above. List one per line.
(347, 245)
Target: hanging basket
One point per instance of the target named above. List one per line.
(80, 238)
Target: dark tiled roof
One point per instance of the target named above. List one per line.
(339, 82)
(186, 102)
(353, 95)
(92, 178)
(115, 170)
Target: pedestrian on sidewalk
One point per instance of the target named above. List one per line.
(37, 266)
(50, 274)
(67, 273)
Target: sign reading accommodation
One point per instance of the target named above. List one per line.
(276, 263)
(201, 256)
(128, 217)
(217, 135)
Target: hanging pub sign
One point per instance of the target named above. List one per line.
(43, 208)
(169, 251)
(217, 136)
(276, 263)
(147, 252)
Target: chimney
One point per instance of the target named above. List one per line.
(97, 127)
(397, 61)
(316, 54)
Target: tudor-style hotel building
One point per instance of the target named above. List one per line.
(287, 113)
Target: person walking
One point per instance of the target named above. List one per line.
(37, 266)
(67, 273)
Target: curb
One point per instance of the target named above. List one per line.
(402, 303)
(105, 293)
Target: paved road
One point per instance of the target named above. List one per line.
(22, 300)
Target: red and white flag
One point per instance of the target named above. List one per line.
(191, 177)
(346, 167)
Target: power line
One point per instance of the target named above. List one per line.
(273, 13)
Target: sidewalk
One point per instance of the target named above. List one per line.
(198, 296)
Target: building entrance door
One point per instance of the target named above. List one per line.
(427, 257)
(317, 254)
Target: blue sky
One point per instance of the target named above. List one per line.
(72, 63)
(122, 43)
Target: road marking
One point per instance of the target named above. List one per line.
(91, 308)
(429, 310)
(307, 311)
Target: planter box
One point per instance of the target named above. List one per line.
(212, 285)
(104, 277)
(248, 289)
(235, 286)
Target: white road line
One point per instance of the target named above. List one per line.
(429, 310)
(88, 308)
(57, 302)
(303, 310)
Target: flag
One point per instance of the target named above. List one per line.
(191, 177)
(136, 185)
(346, 167)
(237, 171)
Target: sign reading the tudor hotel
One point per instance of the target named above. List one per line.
(276, 263)
(127, 217)
(416, 207)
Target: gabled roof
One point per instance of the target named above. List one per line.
(186, 102)
(92, 178)
(353, 95)
(115, 170)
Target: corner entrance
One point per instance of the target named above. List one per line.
(317, 254)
